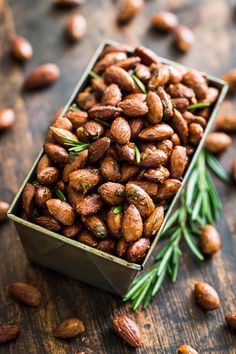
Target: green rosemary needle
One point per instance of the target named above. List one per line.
(139, 83)
(137, 154)
(118, 209)
(199, 105)
(59, 194)
(75, 145)
(94, 75)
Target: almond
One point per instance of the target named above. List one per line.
(206, 296)
(88, 239)
(25, 293)
(4, 206)
(132, 107)
(86, 100)
(211, 95)
(48, 222)
(159, 76)
(136, 125)
(116, 75)
(226, 123)
(42, 76)
(147, 55)
(96, 225)
(230, 319)
(181, 91)
(94, 129)
(191, 118)
(166, 102)
(186, 349)
(8, 332)
(195, 133)
(112, 193)
(141, 200)
(128, 63)
(210, 240)
(175, 74)
(152, 158)
(64, 123)
(76, 163)
(180, 126)
(77, 118)
(73, 196)
(197, 82)
(56, 153)
(7, 118)
(126, 152)
(48, 176)
(217, 142)
(128, 172)
(28, 199)
(149, 187)
(89, 205)
(121, 247)
(114, 222)
(165, 145)
(142, 72)
(184, 38)
(180, 104)
(84, 179)
(60, 135)
(62, 211)
(98, 149)
(71, 231)
(169, 188)
(153, 223)
(164, 21)
(43, 163)
(132, 227)
(120, 130)
(128, 9)
(112, 95)
(155, 108)
(68, 3)
(42, 194)
(21, 49)
(69, 328)
(76, 27)
(178, 161)
(114, 48)
(107, 245)
(110, 169)
(156, 132)
(127, 330)
(104, 112)
(156, 175)
(108, 60)
(230, 78)
(137, 251)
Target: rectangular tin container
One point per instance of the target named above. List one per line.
(76, 259)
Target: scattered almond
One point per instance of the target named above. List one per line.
(42, 76)
(210, 240)
(69, 328)
(25, 293)
(8, 332)
(22, 49)
(127, 330)
(7, 118)
(206, 296)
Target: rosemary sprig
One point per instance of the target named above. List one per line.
(59, 194)
(199, 105)
(216, 167)
(75, 145)
(102, 122)
(73, 108)
(94, 75)
(200, 204)
(139, 83)
(137, 154)
(118, 209)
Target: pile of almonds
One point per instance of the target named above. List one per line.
(117, 156)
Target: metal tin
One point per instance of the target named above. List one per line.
(73, 258)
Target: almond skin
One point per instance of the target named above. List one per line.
(48, 176)
(149, 187)
(128, 172)
(121, 247)
(59, 134)
(147, 55)
(206, 296)
(120, 130)
(217, 142)
(136, 125)
(226, 123)
(7, 118)
(197, 82)
(88, 239)
(128, 63)
(69, 328)
(22, 49)
(126, 152)
(107, 245)
(156, 132)
(153, 223)
(42, 195)
(132, 227)
(89, 205)
(112, 95)
(84, 179)
(137, 251)
(25, 293)
(97, 149)
(77, 118)
(114, 222)
(4, 206)
(28, 199)
(195, 133)
(184, 38)
(42, 76)
(77, 163)
(56, 153)
(108, 60)
(127, 330)
(71, 231)
(165, 145)
(156, 175)
(132, 107)
(94, 129)
(96, 225)
(64, 123)
(104, 112)
(186, 349)
(116, 75)
(155, 108)
(230, 319)
(48, 222)
(110, 169)
(76, 27)
(180, 126)
(178, 161)
(128, 9)
(8, 332)
(140, 199)
(62, 211)
(112, 193)
(166, 101)
(210, 240)
(43, 163)
(164, 21)
(168, 188)
(150, 158)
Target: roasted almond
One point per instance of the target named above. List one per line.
(108, 60)
(48, 222)
(112, 193)
(43, 163)
(197, 82)
(155, 108)
(71, 231)
(62, 135)
(178, 161)
(96, 225)
(147, 55)
(94, 129)
(152, 158)
(136, 125)
(132, 227)
(56, 153)
(142, 72)
(89, 205)
(48, 176)
(128, 172)
(61, 211)
(180, 126)
(217, 142)
(186, 349)
(127, 330)
(84, 179)
(116, 75)
(175, 74)
(42, 194)
(28, 199)
(128, 9)
(230, 319)
(230, 78)
(149, 187)
(184, 38)
(120, 130)
(4, 206)
(166, 102)
(206, 296)
(21, 48)
(191, 118)
(76, 163)
(42, 76)
(64, 123)
(107, 245)
(181, 104)
(159, 76)
(8, 331)
(195, 133)
(25, 293)
(76, 27)
(210, 240)
(114, 221)
(226, 123)
(128, 63)
(126, 152)
(132, 107)
(77, 118)
(121, 247)
(165, 145)
(88, 239)
(73, 196)
(86, 100)
(110, 169)
(112, 95)
(141, 200)
(69, 328)
(164, 21)
(159, 174)
(7, 118)
(153, 223)
(156, 132)
(168, 188)
(137, 251)
(211, 95)
(97, 149)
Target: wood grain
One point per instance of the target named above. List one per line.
(173, 318)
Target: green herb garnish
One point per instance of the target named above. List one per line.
(75, 145)
(74, 108)
(137, 154)
(94, 75)
(198, 105)
(59, 194)
(102, 122)
(118, 209)
(139, 83)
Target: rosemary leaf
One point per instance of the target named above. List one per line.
(199, 105)
(216, 167)
(190, 241)
(94, 75)
(139, 83)
(59, 194)
(137, 154)
(74, 108)
(118, 209)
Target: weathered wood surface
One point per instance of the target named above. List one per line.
(173, 318)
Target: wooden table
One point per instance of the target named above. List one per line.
(173, 318)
